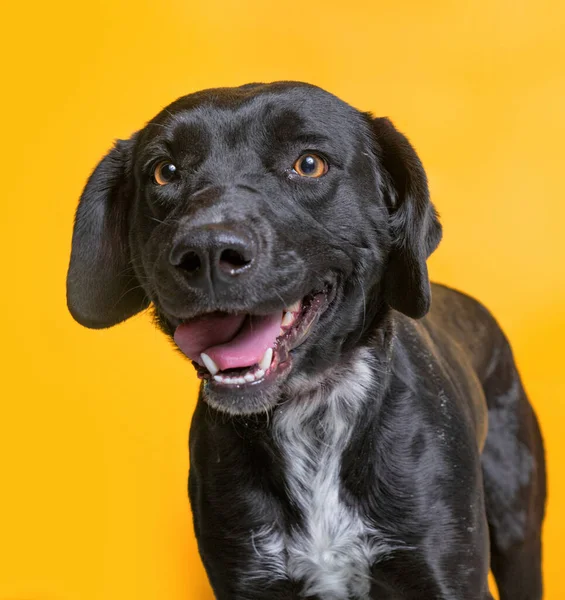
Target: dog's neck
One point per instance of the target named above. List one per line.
(370, 361)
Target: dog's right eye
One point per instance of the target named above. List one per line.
(311, 166)
(164, 173)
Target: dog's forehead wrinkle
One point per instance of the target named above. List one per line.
(286, 114)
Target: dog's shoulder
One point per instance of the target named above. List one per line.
(448, 353)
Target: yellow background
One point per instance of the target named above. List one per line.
(93, 425)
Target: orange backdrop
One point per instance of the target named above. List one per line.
(93, 425)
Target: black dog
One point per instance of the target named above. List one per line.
(350, 442)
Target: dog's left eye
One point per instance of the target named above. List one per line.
(164, 173)
(310, 165)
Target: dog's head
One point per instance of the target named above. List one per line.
(268, 225)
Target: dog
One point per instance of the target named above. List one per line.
(353, 439)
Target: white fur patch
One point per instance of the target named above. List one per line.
(333, 551)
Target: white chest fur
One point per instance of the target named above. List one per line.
(332, 552)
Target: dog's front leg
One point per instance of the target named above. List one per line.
(242, 563)
(240, 570)
(237, 514)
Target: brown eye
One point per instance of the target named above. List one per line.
(164, 173)
(311, 165)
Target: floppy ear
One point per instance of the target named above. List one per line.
(414, 224)
(102, 288)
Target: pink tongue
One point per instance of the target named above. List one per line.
(231, 341)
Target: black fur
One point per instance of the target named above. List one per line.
(419, 464)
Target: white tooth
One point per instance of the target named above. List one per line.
(240, 380)
(209, 363)
(259, 374)
(219, 378)
(249, 377)
(288, 319)
(229, 380)
(266, 360)
(295, 307)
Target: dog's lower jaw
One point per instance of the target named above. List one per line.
(297, 382)
(236, 404)
(309, 372)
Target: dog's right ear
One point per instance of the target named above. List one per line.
(414, 225)
(102, 289)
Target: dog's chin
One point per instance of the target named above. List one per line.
(243, 386)
(258, 399)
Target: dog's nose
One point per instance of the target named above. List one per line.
(213, 253)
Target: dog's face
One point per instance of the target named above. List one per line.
(268, 225)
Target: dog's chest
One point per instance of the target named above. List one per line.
(331, 551)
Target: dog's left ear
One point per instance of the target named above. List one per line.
(102, 289)
(414, 225)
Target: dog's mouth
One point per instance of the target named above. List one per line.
(241, 350)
